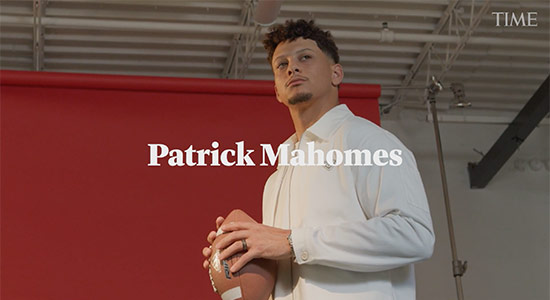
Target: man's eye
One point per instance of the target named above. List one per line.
(281, 65)
(306, 57)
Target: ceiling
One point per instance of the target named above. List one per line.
(500, 67)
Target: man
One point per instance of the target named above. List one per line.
(337, 232)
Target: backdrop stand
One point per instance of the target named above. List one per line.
(459, 268)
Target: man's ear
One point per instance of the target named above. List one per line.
(337, 74)
(277, 94)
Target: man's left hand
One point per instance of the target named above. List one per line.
(261, 242)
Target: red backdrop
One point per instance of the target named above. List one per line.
(84, 217)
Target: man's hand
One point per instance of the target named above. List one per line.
(206, 251)
(262, 242)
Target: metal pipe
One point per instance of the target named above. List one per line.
(37, 36)
(215, 17)
(232, 5)
(479, 119)
(232, 29)
(488, 106)
(381, 48)
(478, 95)
(398, 87)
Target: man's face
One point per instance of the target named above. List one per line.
(302, 72)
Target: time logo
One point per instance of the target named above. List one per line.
(512, 19)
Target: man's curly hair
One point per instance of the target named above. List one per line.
(292, 30)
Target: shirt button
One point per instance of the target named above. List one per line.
(304, 255)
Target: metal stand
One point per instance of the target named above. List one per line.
(459, 268)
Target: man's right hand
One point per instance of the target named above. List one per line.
(207, 251)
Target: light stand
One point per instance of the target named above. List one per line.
(458, 267)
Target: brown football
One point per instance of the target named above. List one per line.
(254, 281)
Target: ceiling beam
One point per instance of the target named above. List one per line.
(424, 52)
(232, 58)
(132, 63)
(358, 10)
(514, 135)
(168, 3)
(465, 38)
(243, 45)
(233, 29)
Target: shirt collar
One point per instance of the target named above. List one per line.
(325, 126)
(329, 122)
(291, 141)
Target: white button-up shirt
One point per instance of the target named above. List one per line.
(356, 230)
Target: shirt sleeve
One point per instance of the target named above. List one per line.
(397, 229)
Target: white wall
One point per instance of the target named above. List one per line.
(501, 230)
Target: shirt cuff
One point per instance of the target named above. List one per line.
(301, 245)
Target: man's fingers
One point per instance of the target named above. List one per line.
(211, 237)
(219, 222)
(230, 238)
(234, 226)
(235, 248)
(242, 261)
(206, 252)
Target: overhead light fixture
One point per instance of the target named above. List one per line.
(459, 99)
(386, 35)
(266, 12)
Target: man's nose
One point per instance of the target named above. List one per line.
(293, 69)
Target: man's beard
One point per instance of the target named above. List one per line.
(299, 98)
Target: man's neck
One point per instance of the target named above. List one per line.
(306, 114)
